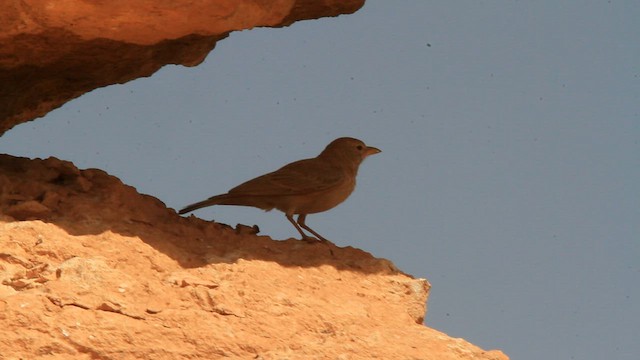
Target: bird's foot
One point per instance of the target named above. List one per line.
(312, 240)
(321, 240)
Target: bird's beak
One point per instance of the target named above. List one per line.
(371, 151)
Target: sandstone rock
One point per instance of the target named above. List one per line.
(90, 269)
(28, 210)
(113, 274)
(54, 51)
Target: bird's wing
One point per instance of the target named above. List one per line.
(298, 178)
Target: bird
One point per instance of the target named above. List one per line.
(302, 187)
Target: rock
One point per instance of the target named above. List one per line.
(51, 53)
(28, 210)
(115, 274)
(90, 269)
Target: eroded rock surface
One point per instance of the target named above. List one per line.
(54, 51)
(90, 269)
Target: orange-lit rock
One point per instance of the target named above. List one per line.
(108, 273)
(52, 51)
(91, 269)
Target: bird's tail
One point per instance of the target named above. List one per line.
(215, 200)
(231, 199)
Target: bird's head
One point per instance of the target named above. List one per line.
(348, 151)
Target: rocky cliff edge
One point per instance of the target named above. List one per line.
(90, 269)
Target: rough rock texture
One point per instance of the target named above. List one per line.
(52, 51)
(90, 269)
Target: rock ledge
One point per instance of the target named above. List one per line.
(91, 269)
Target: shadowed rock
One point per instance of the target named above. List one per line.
(52, 54)
(95, 268)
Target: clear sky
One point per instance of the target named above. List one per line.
(510, 171)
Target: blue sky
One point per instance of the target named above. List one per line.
(510, 171)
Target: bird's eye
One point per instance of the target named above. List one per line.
(359, 147)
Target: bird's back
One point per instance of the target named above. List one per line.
(304, 186)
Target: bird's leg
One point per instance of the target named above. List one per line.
(304, 236)
(301, 219)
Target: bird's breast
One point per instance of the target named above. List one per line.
(322, 200)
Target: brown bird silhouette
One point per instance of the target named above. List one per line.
(303, 187)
